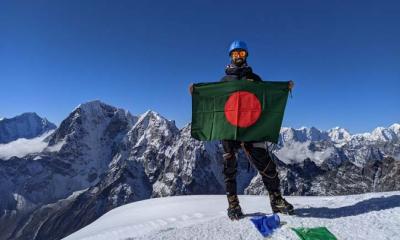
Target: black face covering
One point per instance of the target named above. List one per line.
(240, 71)
(238, 61)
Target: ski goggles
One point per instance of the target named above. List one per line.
(237, 54)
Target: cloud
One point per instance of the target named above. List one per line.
(23, 146)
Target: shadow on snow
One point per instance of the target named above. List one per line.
(365, 206)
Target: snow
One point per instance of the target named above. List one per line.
(395, 128)
(338, 134)
(383, 134)
(22, 202)
(56, 147)
(295, 145)
(364, 216)
(296, 152)
(27, 125)
(22, 146)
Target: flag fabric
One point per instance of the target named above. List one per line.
(266, 224)
(240, 110)
(318, 233)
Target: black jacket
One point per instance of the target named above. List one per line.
(237, 73)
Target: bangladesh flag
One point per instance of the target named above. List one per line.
(239, 110)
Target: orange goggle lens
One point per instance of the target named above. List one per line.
(236, 54)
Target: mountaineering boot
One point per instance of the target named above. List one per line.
(234, 210)
(279, 204)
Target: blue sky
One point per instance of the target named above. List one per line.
(344, 56)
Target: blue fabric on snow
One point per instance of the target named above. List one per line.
(266, 224)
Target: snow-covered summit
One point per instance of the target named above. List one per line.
(382, 134)
(338, 145)
(97, 109)
(27, 125)
(152, 128)
(338, 134)
(302, 134)
(151, 116)
(365, 216)
(395, 128)
(90, 120)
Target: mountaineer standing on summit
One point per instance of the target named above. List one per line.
(257, 152)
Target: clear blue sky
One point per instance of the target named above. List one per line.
(344, 56)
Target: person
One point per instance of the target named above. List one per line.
(256, 152)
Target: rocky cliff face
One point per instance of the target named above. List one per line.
(101, 157)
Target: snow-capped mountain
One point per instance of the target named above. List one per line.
(336, 145)
(26, 125)
(334, 162)
(338, 134)
(102, 157)
(77, 157)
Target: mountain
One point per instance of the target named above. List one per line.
(26, 125)
(334, 162)
(102, 157)
(78, 155)
(365, 216)
(337, 145)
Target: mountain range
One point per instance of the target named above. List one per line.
(102, 157)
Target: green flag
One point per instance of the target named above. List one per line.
(318, 233)
(239, 110)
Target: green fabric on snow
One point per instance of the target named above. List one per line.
(318, 233)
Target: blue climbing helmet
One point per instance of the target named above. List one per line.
(237, 44)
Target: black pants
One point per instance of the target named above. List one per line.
(259, 158)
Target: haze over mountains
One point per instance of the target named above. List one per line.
(102, 157)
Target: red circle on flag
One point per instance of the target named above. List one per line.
(242, 109)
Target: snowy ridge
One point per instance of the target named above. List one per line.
(204, 217)
(338, 134)
(337, 145)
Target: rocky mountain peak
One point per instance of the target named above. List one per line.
(383, 134)
(315, 134)
(97, 109)
(302, 134)
(152, 127)
(396, 129)
(92, 119)
(27, 125)
(153, 119)
(338, 134)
